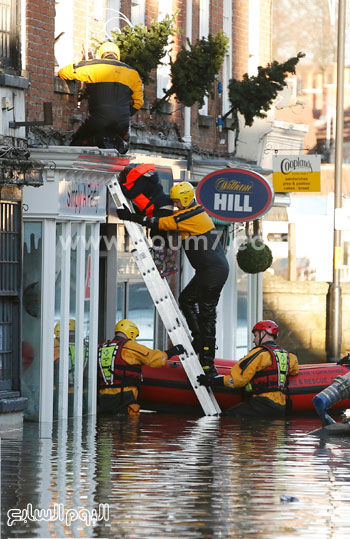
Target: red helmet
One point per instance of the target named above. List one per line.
(268, 325)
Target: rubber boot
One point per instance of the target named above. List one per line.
(324, 400)
(191, 316)
(207, 356)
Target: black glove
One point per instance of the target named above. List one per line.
(175, 350)
(125, 214)
(344, 360)
(211, 381)
(203, 380)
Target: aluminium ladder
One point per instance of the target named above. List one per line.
(166, 305)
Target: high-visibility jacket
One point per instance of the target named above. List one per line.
(273, 377)
(113, 370)
(255, 362)
(116, 371)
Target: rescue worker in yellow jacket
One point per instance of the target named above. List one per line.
(119, 368)
(264, 374)
(114, 92)
(201, 243)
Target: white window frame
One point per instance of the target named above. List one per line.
(137, 12)
(112, 17)
(163, 72)
(204, 8)
(64, 20)
(227, 66)
(254, 37)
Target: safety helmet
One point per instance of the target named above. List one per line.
(57, 329)
(182, 191)
(268, 325)
(108, 46)
(129, 328)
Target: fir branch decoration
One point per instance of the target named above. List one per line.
(194, 70)
(253, 96)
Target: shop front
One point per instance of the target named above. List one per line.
(60, 287)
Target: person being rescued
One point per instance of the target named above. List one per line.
(140, 183)
(264, 374)
(114, 93)
(199, 299)
(120, 368)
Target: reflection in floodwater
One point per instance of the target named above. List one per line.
(166, 476)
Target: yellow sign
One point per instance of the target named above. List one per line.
(296, 173)
(337, 257)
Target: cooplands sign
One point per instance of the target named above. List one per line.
(235, 194)
(292, 173)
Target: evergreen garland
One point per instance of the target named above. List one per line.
(194, 70)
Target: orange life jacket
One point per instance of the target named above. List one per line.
(142, 202)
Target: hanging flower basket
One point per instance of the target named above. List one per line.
(254, 256)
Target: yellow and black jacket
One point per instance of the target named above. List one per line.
(199, 236)
(256, 372)
(112, 86)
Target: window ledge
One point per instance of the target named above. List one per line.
(15, 81)
(205, 121)
(65, 86)
(11, 402)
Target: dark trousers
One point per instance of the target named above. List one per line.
(100, 128)
(115, 404)
(256, 407)
(198, 302)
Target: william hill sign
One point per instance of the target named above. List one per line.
(235, 194)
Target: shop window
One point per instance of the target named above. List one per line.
(141, 311)
(9, 36)
(31, 316)
(87, 298)
(242, 344)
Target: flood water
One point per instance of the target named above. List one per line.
(174, 476)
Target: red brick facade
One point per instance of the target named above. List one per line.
(40, 24)
(40, 63)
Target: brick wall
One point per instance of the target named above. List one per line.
(300, 310)
(240, 31)
(40, 55)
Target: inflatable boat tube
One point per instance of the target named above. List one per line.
(168, 389)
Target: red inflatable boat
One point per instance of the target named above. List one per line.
(168, 388)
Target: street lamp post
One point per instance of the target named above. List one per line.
(335, 292)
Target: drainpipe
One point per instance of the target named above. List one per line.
(335, 290)
(187, 123)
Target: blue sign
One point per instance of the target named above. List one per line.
(235, 194)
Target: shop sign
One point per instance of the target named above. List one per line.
(235, 194)
(296, 173)
(82, 199)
